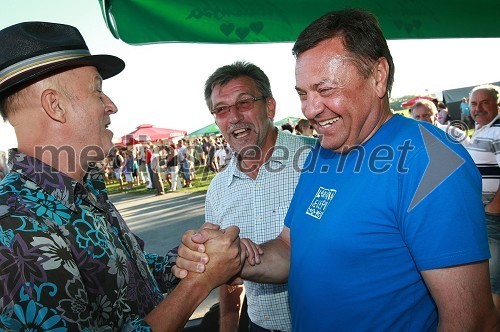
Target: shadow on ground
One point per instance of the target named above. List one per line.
(161, 220)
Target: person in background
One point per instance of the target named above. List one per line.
(3, 165)
(211, 164)
(287, 127)
(254, 190)
(108, 170)
(172, 167)
(435, 101)
(362, 248)
(135, 170)
(138, 154)
(156, 169)
(205, 145)
(425, 110)
(220, 155)
(118, 164)
(304, 128)
(182, 154)
(485, 150)
(149, 155)
(192, 158)
(200, 152)
(465, 113)
(68, 261)
(443, 114)
(128, 168)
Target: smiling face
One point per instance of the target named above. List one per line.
(244, 129)
(89, 113)
(344, 107)
(483, 106)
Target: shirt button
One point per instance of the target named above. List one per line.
(266, 317)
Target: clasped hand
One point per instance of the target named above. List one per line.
(208, 249)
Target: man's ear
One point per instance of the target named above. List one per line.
(51, 104)
(381, 76)
(271, 107)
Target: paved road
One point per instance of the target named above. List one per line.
(161, 220)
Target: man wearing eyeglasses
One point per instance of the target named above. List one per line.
(361, 246)
(254, 190)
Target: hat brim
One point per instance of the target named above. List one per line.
(107, 66)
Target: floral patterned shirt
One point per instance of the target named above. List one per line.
(68, 261)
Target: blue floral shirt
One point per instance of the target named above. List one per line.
(68, 261)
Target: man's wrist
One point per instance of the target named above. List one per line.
(198, 284)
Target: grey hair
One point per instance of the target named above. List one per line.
(492, 89)
(227, 73)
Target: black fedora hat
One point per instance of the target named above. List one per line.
(30, 50)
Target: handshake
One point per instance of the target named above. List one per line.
(212, 256)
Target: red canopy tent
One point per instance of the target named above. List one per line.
(409, 103)
(148, 133)
(117, 142)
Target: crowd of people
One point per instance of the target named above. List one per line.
(337, 232)
(158, 164)
(155, 163)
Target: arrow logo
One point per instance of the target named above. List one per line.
(443, 161)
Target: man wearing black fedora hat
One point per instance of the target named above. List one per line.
(67, 258)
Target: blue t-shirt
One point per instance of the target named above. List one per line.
(465, 108)
(364, 224)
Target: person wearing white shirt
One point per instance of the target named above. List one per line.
(254, 189)
(485, 150)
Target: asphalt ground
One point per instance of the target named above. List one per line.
(161, 220)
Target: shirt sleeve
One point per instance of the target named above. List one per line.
(439, 238)
(161, 267)
(213, 204)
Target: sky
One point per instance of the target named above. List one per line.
(162, 84)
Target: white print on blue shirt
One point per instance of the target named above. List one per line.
(320, 202)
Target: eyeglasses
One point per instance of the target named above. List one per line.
(242, 105)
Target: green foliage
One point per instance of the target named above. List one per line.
(395, 103)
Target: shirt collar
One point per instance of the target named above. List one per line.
(52, 181)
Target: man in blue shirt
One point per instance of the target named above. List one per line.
(363, 248)
(465, 115)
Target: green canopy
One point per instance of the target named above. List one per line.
(243, 21)
(286, 120)
(211, 129)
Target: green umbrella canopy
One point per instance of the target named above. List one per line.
(286, 120)
(211, 129)
(243, 21)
